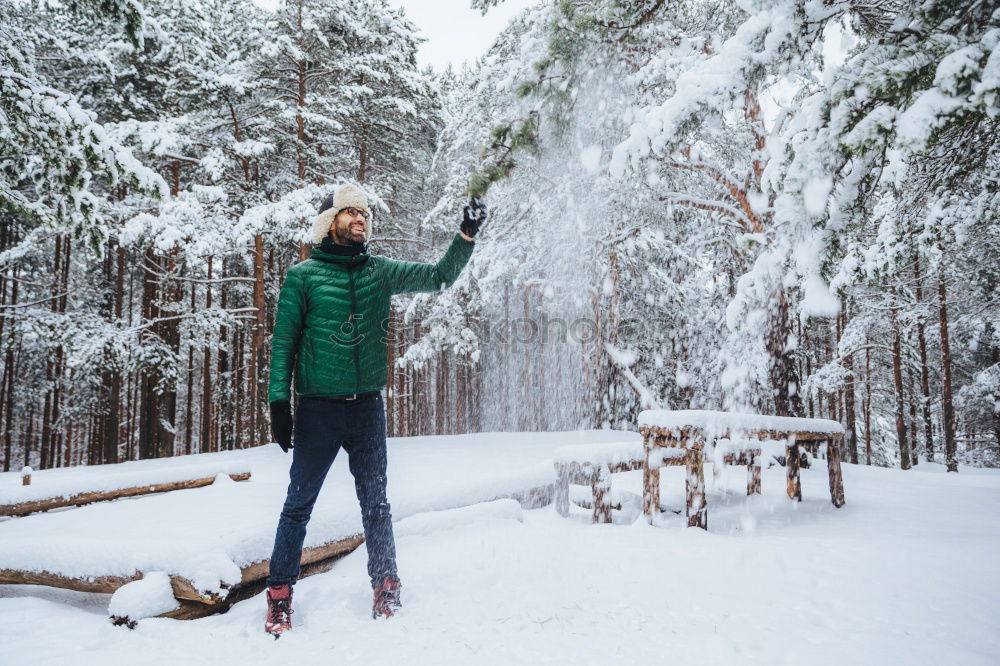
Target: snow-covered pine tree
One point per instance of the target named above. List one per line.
(56, 154)
(64, 168)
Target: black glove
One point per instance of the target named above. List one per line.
(281, 424)
(473, 217)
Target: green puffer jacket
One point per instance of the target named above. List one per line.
(333, 313)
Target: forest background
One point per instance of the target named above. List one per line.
(781, 206)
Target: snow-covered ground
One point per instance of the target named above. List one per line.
(207, 534)
(906, 573)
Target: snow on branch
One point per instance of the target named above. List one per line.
(622, 360)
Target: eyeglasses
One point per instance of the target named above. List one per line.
(354, 212)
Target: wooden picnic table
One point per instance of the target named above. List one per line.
(681, 438)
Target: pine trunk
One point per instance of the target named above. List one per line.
(222, 430)
(914, 438)
(238, 392)
(189, 394)
(996, 413)
(149, 405)
(205, 442)
(851, 426)
(925, 392)
(257, 391)
(28, 436)
(104, 448)
(782, 371)
(897, 376)
(8, 378)
(868, 406)
(441, 378)
(948, 416)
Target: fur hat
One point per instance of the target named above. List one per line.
(346, 196)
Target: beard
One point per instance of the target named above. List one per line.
(342, 235)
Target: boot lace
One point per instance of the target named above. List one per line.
(386, 598)
(280, 611)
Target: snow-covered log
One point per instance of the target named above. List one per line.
(182, 587)
(191, 603)
(311, 558)
(89, 497)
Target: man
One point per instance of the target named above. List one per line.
(331, 317)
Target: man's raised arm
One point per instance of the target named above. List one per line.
(408, 276)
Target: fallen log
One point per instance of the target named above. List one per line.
(182, 587)
(253, 577)
(336, 549)
(80, 499)
(193, 603)
(314, 561)
(99, 584)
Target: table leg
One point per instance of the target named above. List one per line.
(562, 489)
(650, 486)
(717, 464)
(601, 488)
(697, 513)
(794, 483)
(753, 475)
(836, 477)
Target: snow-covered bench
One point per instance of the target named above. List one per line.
(682, 437)
(591, 465)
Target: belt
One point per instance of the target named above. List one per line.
(353, 397)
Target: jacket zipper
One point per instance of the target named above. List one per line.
(357, 352)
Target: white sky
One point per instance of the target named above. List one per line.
(454, 32)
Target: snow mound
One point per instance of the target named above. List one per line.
(149, 596)
(484, 512)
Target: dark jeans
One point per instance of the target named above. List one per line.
(322, 427)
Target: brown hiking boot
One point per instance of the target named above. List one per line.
(386, 597)
(279, 610)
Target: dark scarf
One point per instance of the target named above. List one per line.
(352, 250)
